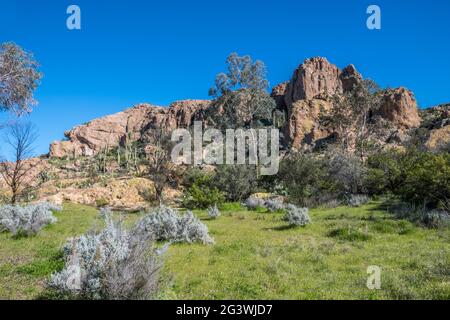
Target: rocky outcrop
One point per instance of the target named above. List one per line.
(308, 94)
(399, 106)
(133, 123)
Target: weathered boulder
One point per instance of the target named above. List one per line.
(399, 106)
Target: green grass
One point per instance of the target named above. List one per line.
(255, 256)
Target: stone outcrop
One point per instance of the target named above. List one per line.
(308, 94)
(400, 107)
(133, 123)
(303, 98)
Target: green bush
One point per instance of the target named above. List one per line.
(236, 181)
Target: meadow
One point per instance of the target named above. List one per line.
(257, 256)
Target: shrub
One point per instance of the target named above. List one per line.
(254, 203)
(349, 233)
(213, 212)
(274, 205)
(27, 220)
(101, 202)
(303, 176)
(112, 264)
(436, 219)
(166, 224)
(356, 200)
(426, 179)
(237, 181)
(296, 216)
(202, 197)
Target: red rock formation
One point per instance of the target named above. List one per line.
(91, 138)
(400, 107)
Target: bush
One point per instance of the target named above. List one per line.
(346, 173)
(296, 216)
(213, 212)
(101, 202)
(356, 200)
(420, 178)
(166, 224)
(274, 205)
(303, 176)
(349, 233)
(202, 197)
(113, 264)
(426, 179)
(27, 220)
(236, 181)
(254, 203)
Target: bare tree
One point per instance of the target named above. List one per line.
(19, 77)
(20, 138)
(160, 168)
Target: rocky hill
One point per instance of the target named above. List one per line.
(67, 173)
(302, 98)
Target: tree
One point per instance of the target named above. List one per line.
(20, 137)
(241, 98)
(19, 77)
(160, 168)
(352, 116)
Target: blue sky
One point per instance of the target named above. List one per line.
(161, 51)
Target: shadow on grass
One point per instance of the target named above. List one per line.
(282, 228)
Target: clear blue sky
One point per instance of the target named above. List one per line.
(160, 51)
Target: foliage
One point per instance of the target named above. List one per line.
(112, 264)
(356, 200)
(166, 224)
(213, 212)
(200, 192)
(274, 205)
(19, 78)
(27, 220)
(304, 176)
(254, 203)
(241, 100)
(295, 216)
(349, 233)
(236, 181)
(200, 196)
(101, 202)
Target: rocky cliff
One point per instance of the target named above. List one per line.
(301, 98)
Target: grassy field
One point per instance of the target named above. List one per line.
(255, 256)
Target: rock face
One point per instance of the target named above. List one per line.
(302, 99)
(308, 94)
(109, 131)
(314, 78)
(400, 107)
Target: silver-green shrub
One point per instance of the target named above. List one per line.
(357, 200)
(296, 216)
(166, 224)
(213, 212)
(274, 205)
(254, 203)
(111, 264)
(28, 220)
